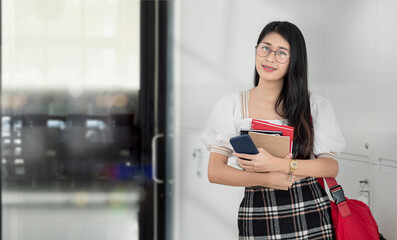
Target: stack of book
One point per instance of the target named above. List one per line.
(274, 138)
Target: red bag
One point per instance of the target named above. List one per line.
(352, 219)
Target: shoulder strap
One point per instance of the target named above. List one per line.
(336, 191)
(244, 104)
(337, 194)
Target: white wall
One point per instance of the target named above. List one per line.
(351, 49)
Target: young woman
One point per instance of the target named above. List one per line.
(280, 96)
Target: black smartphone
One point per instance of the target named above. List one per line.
(244, 144)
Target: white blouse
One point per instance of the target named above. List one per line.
(230, 115)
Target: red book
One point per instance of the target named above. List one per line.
(258, 124)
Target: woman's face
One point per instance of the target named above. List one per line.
(267, 67)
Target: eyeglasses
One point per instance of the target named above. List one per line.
(263, 50)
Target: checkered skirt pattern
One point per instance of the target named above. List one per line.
(302, 212)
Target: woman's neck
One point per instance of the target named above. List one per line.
(268, 90)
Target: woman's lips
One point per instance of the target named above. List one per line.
(268, 69)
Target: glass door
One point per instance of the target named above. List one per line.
(79, 111)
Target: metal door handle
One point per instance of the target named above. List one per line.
(154, 157)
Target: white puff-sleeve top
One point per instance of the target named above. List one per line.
(231, 114)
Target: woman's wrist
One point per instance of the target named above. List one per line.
(267, 179)
(282, 164)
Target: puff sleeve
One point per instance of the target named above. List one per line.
(328, 139)
(221, 126)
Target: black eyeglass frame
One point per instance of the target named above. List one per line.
(269, 52)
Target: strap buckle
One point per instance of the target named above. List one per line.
(337, 194)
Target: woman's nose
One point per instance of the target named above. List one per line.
(271, 57)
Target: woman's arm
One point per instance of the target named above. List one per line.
(219, 172)
(263, 161)
(320, 167)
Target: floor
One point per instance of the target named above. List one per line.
(70, 216)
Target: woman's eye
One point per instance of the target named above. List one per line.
(266, 48)
(282, 53)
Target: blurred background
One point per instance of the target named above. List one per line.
(78, 117)
(103, 103)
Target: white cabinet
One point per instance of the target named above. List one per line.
(385, 210)
(351, 172)
(385, 118)
(349, 72)
(386, 84)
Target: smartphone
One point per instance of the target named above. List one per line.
(244, 144)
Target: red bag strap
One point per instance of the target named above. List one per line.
(331, 182)
(336, 191)
(337, 194)
(321, 181)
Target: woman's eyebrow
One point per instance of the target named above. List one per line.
(279, 47)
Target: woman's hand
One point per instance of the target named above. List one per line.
(261, 162)
(279, 180)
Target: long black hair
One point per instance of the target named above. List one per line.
(293, 103)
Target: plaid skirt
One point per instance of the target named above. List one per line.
(302, 212)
